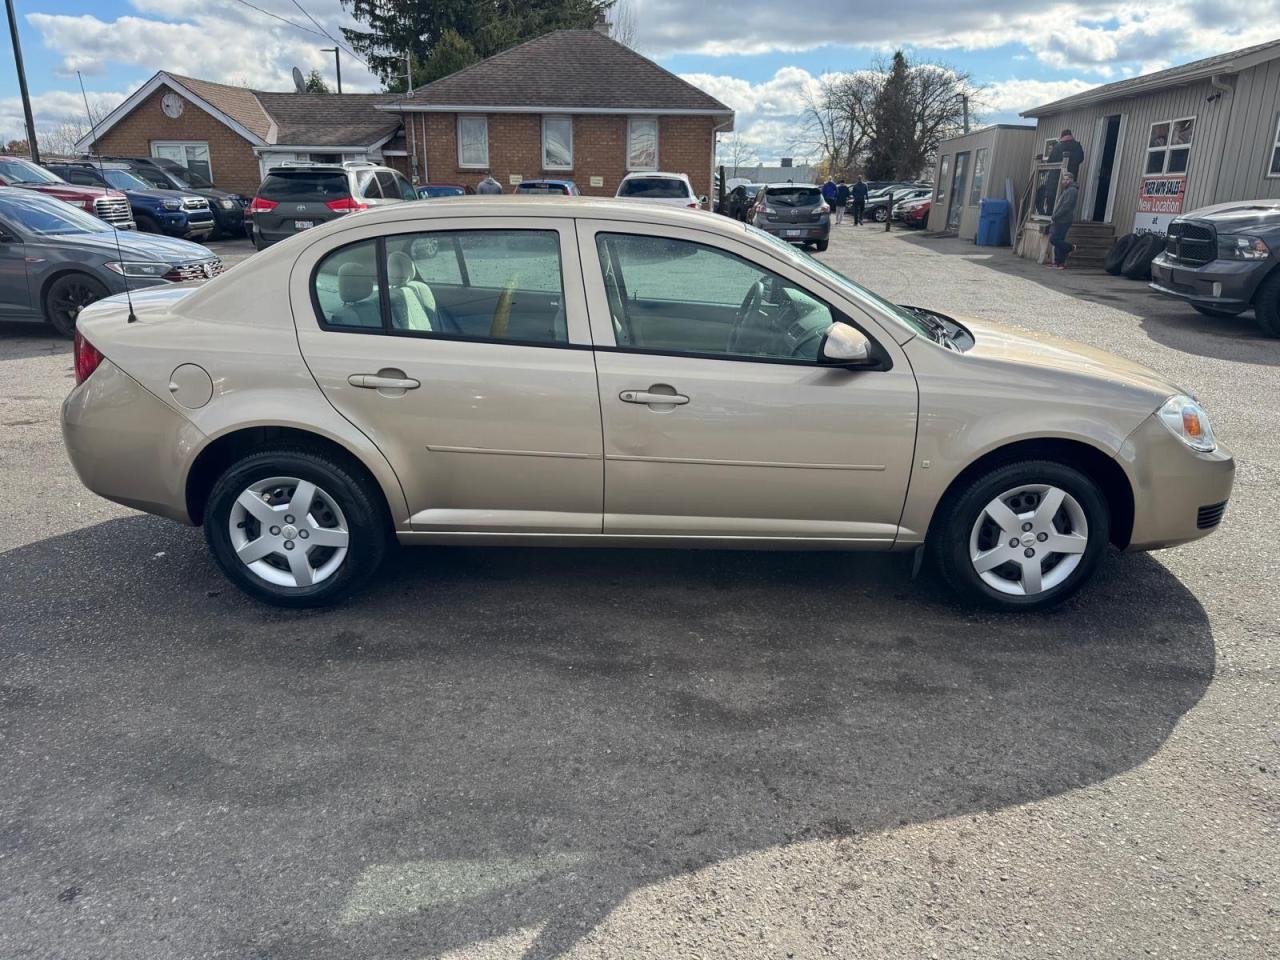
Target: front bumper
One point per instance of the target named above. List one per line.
(128, 445)
(231, 221)
(1177, 491)
(1228, 283)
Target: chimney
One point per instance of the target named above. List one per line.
(601, 24)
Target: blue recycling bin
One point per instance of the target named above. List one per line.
(993, 222)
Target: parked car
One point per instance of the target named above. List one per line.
(670, 189)
(298, 196)
(914, 213)
(740, 201)
(879, 204)
(55, 259)
(624, 375)
(110, 206)
(228, 209)
(170, 212)
(430, 191)
(795, 212)
(1224, 259)
(555, 188)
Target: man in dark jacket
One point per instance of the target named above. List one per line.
(859, 195)
(842, 200)
(829, 192)
(1067, 148)
(1064, 214)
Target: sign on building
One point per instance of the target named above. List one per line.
(1160, 199)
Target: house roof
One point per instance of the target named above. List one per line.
(238, 103)
(1223, 63)
(572, 70)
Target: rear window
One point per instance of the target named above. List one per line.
(654, 188)
(542, 188)
(795, 196)
(441, 191)
(303, 185)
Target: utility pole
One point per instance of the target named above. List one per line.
(22, 83)
(964, 100)
(337, 64)
(411, 129)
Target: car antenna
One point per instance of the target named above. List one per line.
(102, 172)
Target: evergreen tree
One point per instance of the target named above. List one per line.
(315, 83)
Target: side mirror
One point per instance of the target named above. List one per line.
(844, 346)
(702, 200)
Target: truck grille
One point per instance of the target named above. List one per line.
(1209, 517)
(196, 270)
(195, 203)
(1192, 243)
(114, 210)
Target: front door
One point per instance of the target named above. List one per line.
(718, 421)
(464, 354)
(955, 205)
(15, 294)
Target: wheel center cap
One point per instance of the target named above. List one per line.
(1028, 539)
(290, 532)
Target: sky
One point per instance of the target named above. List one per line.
(758, 56)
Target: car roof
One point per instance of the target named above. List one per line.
(508, 205)
(656, 173)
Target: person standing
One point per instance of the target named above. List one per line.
(489, 185)
(829, 192)
(1064, 214)
(859, 194)
(842, 199)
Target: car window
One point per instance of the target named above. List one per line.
(406, 188)
(123, 180)
(654, 188)
(387, 184)
(155, 178)
(676, 296)
(78, 176)
(367, 185)
(472, 284)
(303, 185)
(441, 191)
(794, 196)
(19, 171)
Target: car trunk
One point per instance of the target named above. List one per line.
(300, 200)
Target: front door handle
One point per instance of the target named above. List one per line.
(648, 396)
(380, 381)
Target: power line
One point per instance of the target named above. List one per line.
(274, 16)
(347, 50)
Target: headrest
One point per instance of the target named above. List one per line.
(354, 283)
(399, 269)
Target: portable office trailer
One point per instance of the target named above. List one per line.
(974, 166)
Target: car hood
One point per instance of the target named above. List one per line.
(1239, 215)
(144, 246)
(156, 193)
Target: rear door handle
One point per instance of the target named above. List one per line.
(374, 381)
(645, 396)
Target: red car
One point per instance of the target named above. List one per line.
(915, 213)
(109, 205)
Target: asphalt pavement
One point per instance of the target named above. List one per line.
(540, 753)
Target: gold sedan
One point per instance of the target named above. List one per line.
(589, 372)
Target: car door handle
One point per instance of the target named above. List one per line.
(375, 381)
(646, 396)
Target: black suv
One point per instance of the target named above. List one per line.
(228, 208)
(298, 196)
(1224, 259)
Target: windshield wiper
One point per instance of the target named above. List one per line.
(938, 329)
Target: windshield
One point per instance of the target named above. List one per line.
(157, 178)
(19, 171)
(557, 188)
(794, 196)
(854, 291)
(46, 217)
(187, 178)
(654, 188)
(123, 180)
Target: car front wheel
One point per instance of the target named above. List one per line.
(295, 528)
(66, 297)
(1023, 537)
(881, 215)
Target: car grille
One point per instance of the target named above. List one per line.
(1192, 243)
(195, 203)
(114, 210)
(1209, 517)
(196, 270)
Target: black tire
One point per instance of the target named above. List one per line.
(1266, 304)
(1114, 262)
(66, 297)
(256, 240)
(1218, 311)
(358, 499)
(880, 215)
(1137, 263)
(822, 244)
(146, 224)
(950, 535)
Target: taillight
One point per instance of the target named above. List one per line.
(87, 358)
(346, 205)
(825, 208)
(261, 206)
(693, 206)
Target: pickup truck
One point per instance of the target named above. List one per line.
(228, 208)
(105, 204)
(1224, 259)
(171, 212)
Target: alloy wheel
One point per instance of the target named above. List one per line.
(1028, 540)
(289, 531)
(70, 297)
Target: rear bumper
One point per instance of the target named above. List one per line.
(111, 425)
(1229, 283)
(796, 231)
(1177, 491)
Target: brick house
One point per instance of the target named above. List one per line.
(571, 104)
(232, 134)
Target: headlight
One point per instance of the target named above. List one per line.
(171, 204)
(1243, 248)
(138, 268)
(1185, 418)
(228, 204)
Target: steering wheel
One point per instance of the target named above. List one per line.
(751, 303)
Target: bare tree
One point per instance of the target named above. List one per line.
(59, 139)
(733, 152)
(623, 25)
(836, 120)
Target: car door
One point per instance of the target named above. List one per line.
(461, 347)
(718, 420)
(15, 292)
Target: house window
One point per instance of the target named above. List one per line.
(473, 142)
(192, 154)
(1274, 169)
(979, 175)
(1048, 147)
(1169, 146)
(642, 143)
(557, 143)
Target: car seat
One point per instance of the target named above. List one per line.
(355, 290)
(413, 305)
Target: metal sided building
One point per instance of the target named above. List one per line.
(1203, 133)
(975, 166)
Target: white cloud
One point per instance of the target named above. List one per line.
(57, 108)
(1014, 96)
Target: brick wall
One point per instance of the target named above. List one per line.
(235, 168)
(685, 145)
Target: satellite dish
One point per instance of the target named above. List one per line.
(299, 84)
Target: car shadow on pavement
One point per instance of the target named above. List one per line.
(19, 340)
(501, 740)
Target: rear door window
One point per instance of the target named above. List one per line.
(387, 184)
(303, 185)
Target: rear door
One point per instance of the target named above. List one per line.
(462, 349)
(15, 294)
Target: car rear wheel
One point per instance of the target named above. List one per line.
(1023, 537)
(881, 215)
(66, 297)
(822, 244)
(295, 529)
(1266, 304)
